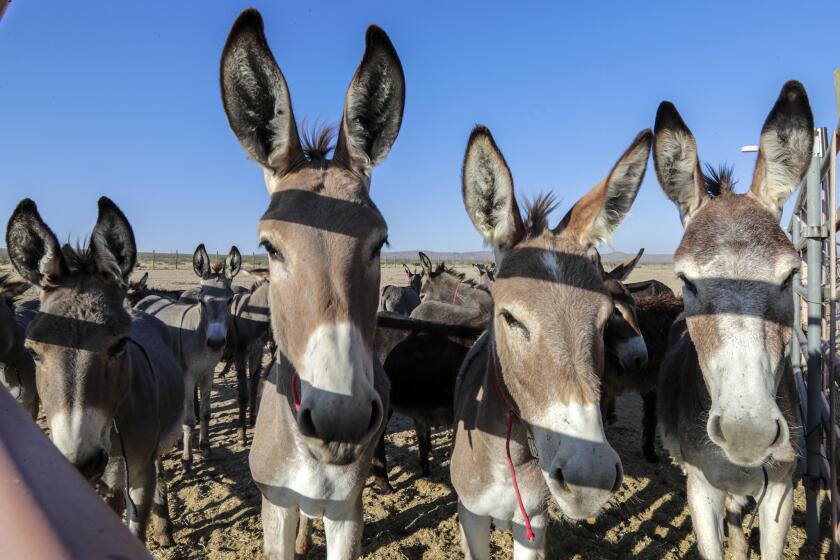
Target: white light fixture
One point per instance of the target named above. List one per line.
(749, 149)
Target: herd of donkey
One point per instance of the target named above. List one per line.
(524, 364)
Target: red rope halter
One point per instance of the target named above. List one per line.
(295, 393)
(512, 417)
(457, 289)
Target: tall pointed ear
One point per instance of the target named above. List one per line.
(426, 263)
(256, 98)
(201, 262)
(143, 283)
(112, 241)
(33, 248)
(598, 213)
(785, 149)
(622, 271)
(595, 256)
(407, 271)
(676, 162)
(373, 107)
(233, 263)
(487, 188)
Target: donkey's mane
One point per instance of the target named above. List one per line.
(718, 180)
(317, 141)
(82, 261)
(218, 267)
(537, 211)
(443, 269)
(10, 282)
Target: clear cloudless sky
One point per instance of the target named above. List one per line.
(122, 99)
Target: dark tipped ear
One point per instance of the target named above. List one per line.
(143, 282)
(487, 188)
(425, 262)
(113, 242)
(256, 97)
(676, 161)
(622, 271)
(598, 213)
(33, 247)
(595, 257)
(201, 262)
(233, 263)
(785, 149)
(407, 270)
(373, 107)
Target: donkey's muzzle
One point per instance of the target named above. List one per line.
(748, 440)
(336, 438)
(216, 343)
(93, 467)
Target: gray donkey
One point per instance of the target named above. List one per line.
(109, 382)
(726, 395)
(446, 285)
(402, 299)
(323, 403)
(17, 370)
(199, 323)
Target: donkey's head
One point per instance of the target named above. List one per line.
(10, 288)
(415, 278)
(214, 293)
(550, 312)
(736, 265)
(440, 281)
(322, 231)
(622, 336)
(78, 338)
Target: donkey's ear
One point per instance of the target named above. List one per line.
(256, 97)
(622, 271)
(233, 263)
(33, 247)
(407, 270)
(785, 149)
(112, 241)
(201, 262)
(598, 213)
(143, 282)
(373, 107)
(487, 188)
(426, 263)
(676, 161)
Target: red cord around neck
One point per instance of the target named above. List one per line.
(295, 394)
(457, 289)
(512, 417)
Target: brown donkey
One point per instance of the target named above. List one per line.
(726, 396)
(109, 383)
(535, 375)
(17, 370)
(323, 403)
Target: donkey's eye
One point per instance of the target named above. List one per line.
(514, 324)
(789, 280)
(273, 253)
(36, 357)
(378, 249)
(118, 348)
(688, 285)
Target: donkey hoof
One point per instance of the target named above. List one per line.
(207, 452)
(425, 470)
(384, 487)
(651, 456)
(163, 539)
(186, 464)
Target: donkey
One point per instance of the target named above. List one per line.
(250, 320)
(726, 395)
(17, 370)
(199, 323)
(110, 385)
(139, 289)
(402, 299)
(444, 284)
(534, 376)
(324, 401)
(486, 274)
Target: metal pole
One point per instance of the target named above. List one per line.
(795, 351)
(832, 331)
(153, 259)
(815, 235)
(176, 259)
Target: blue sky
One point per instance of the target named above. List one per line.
(122, 99)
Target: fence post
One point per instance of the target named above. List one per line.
(176, 259)
(253, 260)
(153, 259)
(815, 235)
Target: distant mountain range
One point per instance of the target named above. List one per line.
(482, 256)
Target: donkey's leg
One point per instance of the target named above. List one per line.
(649, 427)
(739, 549)
(344, 533)
(303, 542)
(279, 526)
(141, 491)
(255, 375)
(424, 445)
(161, 522)
(706, 504)
(776, 511)
(475, 534)
(534, 550)
(205, 386)
(189, 422)
(242, 392)
(379, 467)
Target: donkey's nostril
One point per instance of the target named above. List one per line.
(94, 466)
(557, 474)
(215, 343)
(715, 430)
(619, 478)
(375, 416)
(305, 423)
(779, 432)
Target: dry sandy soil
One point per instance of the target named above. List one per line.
(215, 509)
